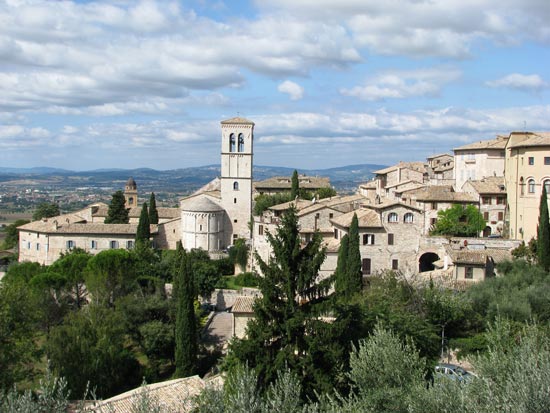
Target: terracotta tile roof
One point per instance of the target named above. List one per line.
(369, 185)
(439, 155)
(237, 120)
(367, 218)
(530, 139)
(164, 213)
(387, 204)
(200, 204)
(499, 254)
(173, 395)
(299, 204)
(490, 185)
(415, 166)
(49, 227)
(405, 183)
(243, 304)
(469, 257)
(284, 183)
(498, 143)
(440, 193)
(213, 185)
(443, 168)
(332, 244)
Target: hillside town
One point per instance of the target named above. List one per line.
(502, 177)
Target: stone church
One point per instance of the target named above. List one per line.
(212, 218)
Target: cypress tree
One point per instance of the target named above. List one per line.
(186, 328)
(117, 213)
(342, 266)
(143, 232)
(354, 276)
(153, 213)
(295, 188)
(543, 239)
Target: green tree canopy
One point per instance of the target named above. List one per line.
(543, 238)
(72, 266)
(239, 253)
(295, 185)
(46, 210)
(143, 232)
(153, 212)
(459, 221)
(117, 213)
(286, 330)
(12, 236)
(109, 275)
(186, 329)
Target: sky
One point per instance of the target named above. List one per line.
(127, 84)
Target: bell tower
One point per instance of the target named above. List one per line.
(236, 177)
(131, 193)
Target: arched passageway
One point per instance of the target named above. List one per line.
(426, 261)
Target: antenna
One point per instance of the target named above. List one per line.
(524, 126)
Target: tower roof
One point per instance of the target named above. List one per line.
(131, 183)
(237, 120)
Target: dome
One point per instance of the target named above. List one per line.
(200, 204)
(131, 183)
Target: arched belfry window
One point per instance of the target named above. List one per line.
(235, 186)
(232, 143)
(241, 142)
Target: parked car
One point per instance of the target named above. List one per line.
(453, 372)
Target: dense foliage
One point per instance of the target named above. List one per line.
(543, 235)
(11, 235)
(46, 210)
(459, 221)
(153, 212)
(143, 232)
(117, 212)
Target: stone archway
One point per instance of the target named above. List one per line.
(426, 261)
(486, 232)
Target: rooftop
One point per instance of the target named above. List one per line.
(237, 120)
(523, 139)
(498, 143)
(415, 166)
(367, 218)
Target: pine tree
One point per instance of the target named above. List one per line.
(295, 188)
(354, 275)
(143, 232)
(286, 327)
(342, 265)
(543, 239)
(117, 213)
(153, 213)
(186, 328)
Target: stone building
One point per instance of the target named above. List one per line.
(479, 160)
(278, 184)
(211, 219)
(527, 171)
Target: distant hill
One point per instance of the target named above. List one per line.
(344, 178)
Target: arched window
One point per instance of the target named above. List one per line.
(232, 143)
(531, 185)
(408, 218)
(241, 142)
(521, 186)
(392, 217)
(235, 186)
(546, 184)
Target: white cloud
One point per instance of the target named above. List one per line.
(519, 81)
(404, 84)
(294, 90)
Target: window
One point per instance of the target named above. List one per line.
(546, 184)
(500, 200)
(235, 238)
(335, 234)
(390, 239)
(234, 200)
(129, 244)
(232, 143)
(531, 160)
(93, 245)
(368, 239)
(260, 230)
(37, 246)
(531, 185)
(392, 217)
(331, 215)
(486, 200)
(70, 244)
(486, 216)
(200, 227)
(469, 273)
(394, 264)
(113, 245)
(547, 160)
(501, 216)
(365, 266)
(235, 221)
(433, 221)
(241, 143)
(235, 186)
(522, 186)
(434, 205)
(408, 218)
(29, 245)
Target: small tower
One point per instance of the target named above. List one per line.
(130, 193)
(236, 177)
